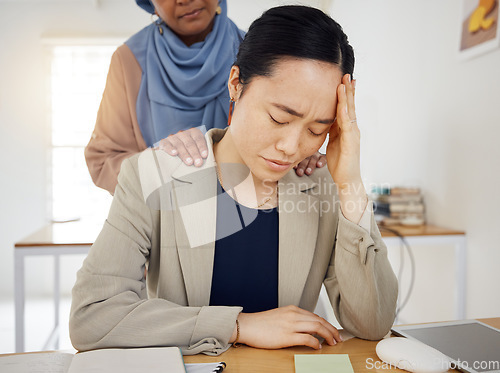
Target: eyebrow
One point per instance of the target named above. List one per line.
(297, 114)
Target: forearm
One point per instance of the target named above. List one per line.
(123, 322)
(110, 306)
(361, 284)
(353, 200)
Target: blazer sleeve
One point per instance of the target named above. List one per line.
(116, 135)
(110, 306)
(360, 282)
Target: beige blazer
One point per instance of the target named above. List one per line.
(164, 214)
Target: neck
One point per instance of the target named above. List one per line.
(243, 185)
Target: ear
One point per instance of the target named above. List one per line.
(234, 84)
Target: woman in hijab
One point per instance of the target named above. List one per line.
(169, 77)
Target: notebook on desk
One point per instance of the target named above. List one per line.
(473, 346)
(132, 360)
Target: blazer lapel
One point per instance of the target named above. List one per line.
(298, 230)
(195, 198)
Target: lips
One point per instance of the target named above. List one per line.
(192, 13)
(277, 165)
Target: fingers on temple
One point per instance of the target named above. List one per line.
(351, 108)
(342, 108)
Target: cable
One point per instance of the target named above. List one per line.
(400, 272)
(406, 245)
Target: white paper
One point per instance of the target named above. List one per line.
(46, 362)
(58, 362)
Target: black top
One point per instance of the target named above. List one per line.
(245, 270)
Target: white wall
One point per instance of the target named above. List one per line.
(431, 120)
(24, 134)
(427, 118)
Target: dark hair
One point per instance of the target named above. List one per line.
(292, 31)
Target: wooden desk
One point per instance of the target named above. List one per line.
(58, 239)
(421, 230)
(247, 359)
(54, 239)
(250, 360)
(434, 235)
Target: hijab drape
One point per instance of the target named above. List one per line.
(181, 86)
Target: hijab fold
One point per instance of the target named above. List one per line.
(181, 86)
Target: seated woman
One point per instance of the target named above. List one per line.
(237, 250)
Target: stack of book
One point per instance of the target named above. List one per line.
(399, 206)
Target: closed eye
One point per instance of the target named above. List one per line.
(275, 121)
(315, 134)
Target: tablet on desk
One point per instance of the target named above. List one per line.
(473, 346)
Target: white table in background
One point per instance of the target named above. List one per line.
(54, 239)
(434, 235)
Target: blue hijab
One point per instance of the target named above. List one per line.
(181, 86)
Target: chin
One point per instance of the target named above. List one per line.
(270, 176)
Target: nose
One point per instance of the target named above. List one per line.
(289, 141)
(184, 2)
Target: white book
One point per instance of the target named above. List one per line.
(133, 360)
(161, 359)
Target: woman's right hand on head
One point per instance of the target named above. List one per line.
(284, 327)
(189, 145)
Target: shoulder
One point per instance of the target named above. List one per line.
(123, 58)
(151, 163)
(138, 43)
(147, 176)
(137, 40)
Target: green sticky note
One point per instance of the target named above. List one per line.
(327, 363)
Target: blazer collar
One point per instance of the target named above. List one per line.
(195, 195)
(195, 192)
(298, 231)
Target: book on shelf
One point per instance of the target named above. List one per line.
(402, 198)
(399, 191)
(399, 206)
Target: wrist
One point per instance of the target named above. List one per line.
(351, 187)
(353, 201)
(235, 333)
(236, 336)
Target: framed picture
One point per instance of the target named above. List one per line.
(480, 30)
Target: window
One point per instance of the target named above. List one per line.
(77, 79)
